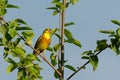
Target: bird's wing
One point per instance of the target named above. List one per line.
(36, 46)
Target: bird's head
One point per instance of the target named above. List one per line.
(47, 32)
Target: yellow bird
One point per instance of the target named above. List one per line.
(43, 41)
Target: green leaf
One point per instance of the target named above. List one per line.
(10, 68)
(74, 1)
(55, 1)
(56, 74)
(1, 44)
(28, 35)
(84, 57)
(10, 60)
(3, 4)
(40, 78)
(53, 59)
(3, 12)
(37, 67)
(22, 75)
(69, 24)
(74, 41)
(115, 45)
(118, 31)
(20, 21)
(23, 28)
(1, 29)
(115, 49)
(50, 49)
(116, 22)
(13, 24)
(87, 52)
(6, 38)
(70, 67)
(13, 33)
(19, 75)
(55, 13)
(101, 44)
(17, 41)
(12, 6)
(77, 43)
(67, 4)
(33, 71)
(28, 63)
(31, 57)
(70, 38)
(19, 52)
(6, 1)
(56, 47)
(53, 8)
(60, 5)
(68, 34)
(107, 31)
(53, 31)
(94, 61)
(6, 52)
(58, 35)
(0, 40)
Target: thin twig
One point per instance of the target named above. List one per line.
(81, 67)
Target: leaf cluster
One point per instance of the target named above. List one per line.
(59, 6)
(89, 55)
(114, 37)
(14, 48)
(92, 56)
(4, 5)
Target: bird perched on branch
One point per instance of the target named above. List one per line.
(43, 41)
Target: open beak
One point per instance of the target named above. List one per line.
(49, 29)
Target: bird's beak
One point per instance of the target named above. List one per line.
(50, 30)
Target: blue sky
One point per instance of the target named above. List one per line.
(89, 16)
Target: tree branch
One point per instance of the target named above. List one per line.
(62, 40)
(81, 67)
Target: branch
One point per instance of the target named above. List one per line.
(62, 40)
(3, 22)
(81, 67)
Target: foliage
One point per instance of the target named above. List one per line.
(114, 37)
(59, 6)
(102, 45)
(14, 48)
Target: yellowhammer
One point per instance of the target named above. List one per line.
(43, 41)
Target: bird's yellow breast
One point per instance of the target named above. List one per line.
(46, 35)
